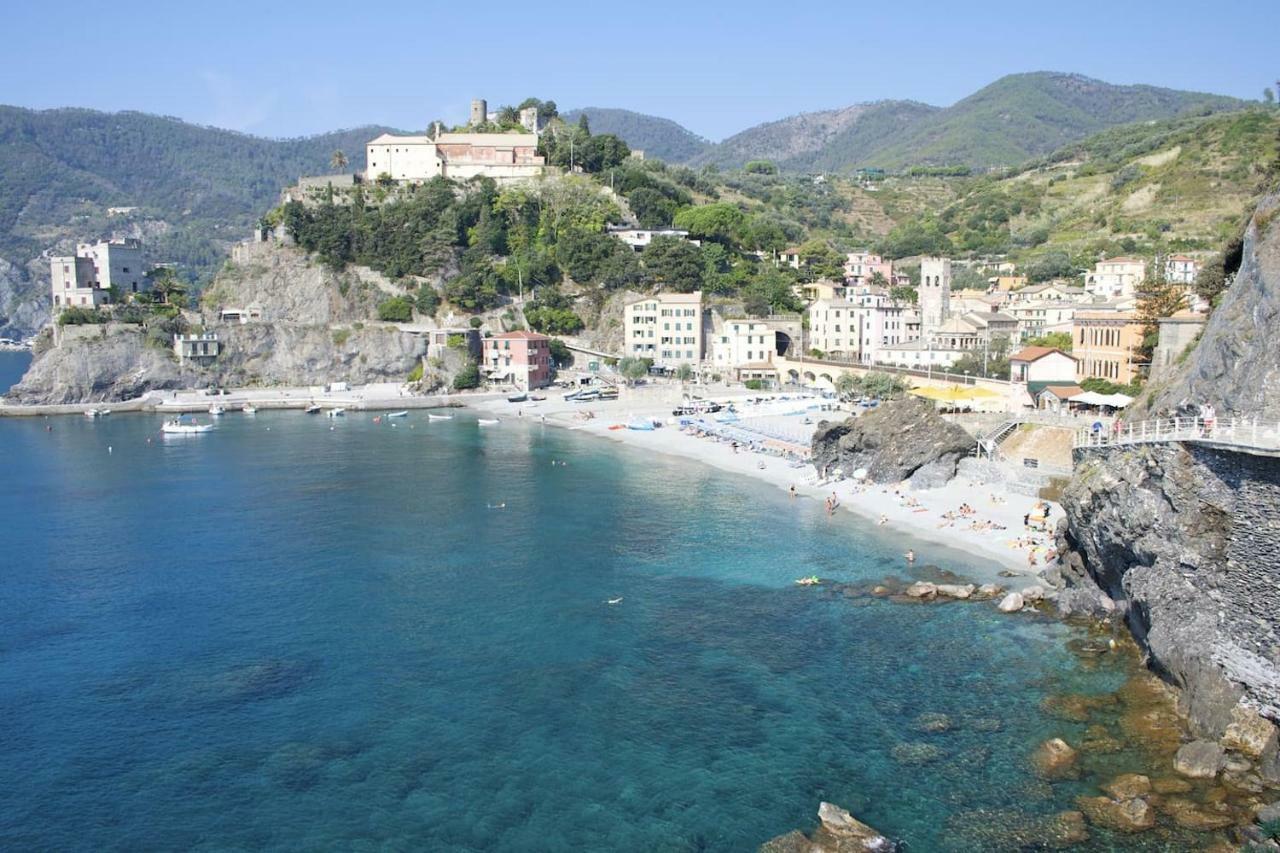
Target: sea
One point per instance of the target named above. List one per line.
(12, 366)
(303, 633)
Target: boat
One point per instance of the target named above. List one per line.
(403, 414)
(537, 398)
(177, 427)
(488, 421)
(812, 580)
(439, 417)
(96, 413)
(216, 410)
(518, 398)
(336, 413)
(641, 424)
(249, 409)
(313, 409)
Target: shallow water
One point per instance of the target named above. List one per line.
(279, 635)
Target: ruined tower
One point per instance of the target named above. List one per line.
(479, 112)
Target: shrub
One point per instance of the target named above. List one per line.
(415, 375)
(476, 322)
(468, 377)
(80, 317)
(341, 336)
(560, 353)
(396, 310)
(554, 321)
(754, 384)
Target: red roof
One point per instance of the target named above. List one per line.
(521, 335)
(1030, 354)
(1182, 258)
(1121, 260)
(1063, 392)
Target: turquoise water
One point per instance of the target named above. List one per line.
(12, 366)
(279, 635)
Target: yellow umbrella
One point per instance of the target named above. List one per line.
(954, 393)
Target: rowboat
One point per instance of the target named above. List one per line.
(313, 409)
(488, 421)
(439, 417)
(404, 414)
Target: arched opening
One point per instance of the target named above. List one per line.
(782, 342)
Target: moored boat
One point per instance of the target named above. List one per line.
(336, 413)
(313, 409)
(403, 414)
(488, 421)
(439, 417)
(249, 409)
(177, 427)
(518, 398)
(216, 410)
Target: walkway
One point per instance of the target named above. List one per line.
(1247, 435)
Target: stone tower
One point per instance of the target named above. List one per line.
(935, 293)
(529, 119)
(479, 112)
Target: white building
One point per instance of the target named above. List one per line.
(1040, 317)
(505, 157)
(745, 348)
(665, 327)
(1116, 278)
(859, 325)
(639, 238)
(1050, 290)
(86, 278)
(935, 293)
(919, 355)
(1180, 269)
(1042, 364)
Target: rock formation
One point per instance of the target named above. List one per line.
(897, 440)
(840, 832)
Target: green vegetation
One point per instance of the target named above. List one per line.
(82, 317)
(341, 336)
(467, 378)
(415, 375)
(658, 137)
(633, 368)
(395, 310)
(560, 353)
(1054, 340)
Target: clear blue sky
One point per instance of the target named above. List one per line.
(280, 68)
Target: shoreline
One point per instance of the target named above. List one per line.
(889, 505)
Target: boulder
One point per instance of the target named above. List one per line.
(1249, 733)
(912, 754)
(1067, 828)
(1200, 759)
(848, 833)
(1171, 785)
(1128, 786)
(1133, 815)
(794, 841)
(1011, 603)
(1035, 592)
(922, 589)
(1269, 813)
(892, 442)
(953, 590)
(1055, 759)
(1191, 815)
(933, 723)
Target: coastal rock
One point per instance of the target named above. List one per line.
(892, 442)
(1073, 707)
(1011, 603)
(1191, 815)
(1128, 786)
(1033, 593)
(794, 841)
(922, 589)
(1200, 759)
(988, 591)
(1006, 829)
(1249, 733)
(1055, 759)
(933, 723)
(1269, 812)
(841, 832)
(1134, 815)
(1170, 785)
(951, 590)
(1098, 740)
(912, 754)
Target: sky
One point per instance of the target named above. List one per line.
(281, 68)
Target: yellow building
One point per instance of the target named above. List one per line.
(1103, 343)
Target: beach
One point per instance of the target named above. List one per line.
(994, 530)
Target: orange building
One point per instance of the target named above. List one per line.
(1103, 343)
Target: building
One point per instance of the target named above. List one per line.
(823, 288)
(1115, 278)
(1042, 364)
(1180, 269)
(1040, 317)
(522, 359)
(934, 293)
(1007, 282)
(1050, 290)
(201, 349)
(85, 279)
(1177, 333)
(460, 339)
(639, 238)
(249, 314)
(666, 328)
(1054, 398)
(744, 349)
(1103, 344)
(504, 157)
(859, 325)
(861, 267)
(790, 257)
(918, 355)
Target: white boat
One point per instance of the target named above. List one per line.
(249, 409)
(92, 413)
(439, 417)
(404, 414)
(488, 421)
(313, 409)
(177, 427)
(216, 410)
(336, 413)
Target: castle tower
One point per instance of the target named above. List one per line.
(479, 112)
(529, 119)
(935, 293)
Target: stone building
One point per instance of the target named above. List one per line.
(504, 157)
(935, 293)
(86, 278)
(1116, 278)
(1177, 333)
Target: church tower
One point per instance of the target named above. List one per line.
(935, 293)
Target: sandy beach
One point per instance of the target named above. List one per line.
(995, 529)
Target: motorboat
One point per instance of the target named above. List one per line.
(488, 421)
(439, 417)
(97, 413)
(249, 409)
(216, 410)
(177, 427)
(313, 409)
(336, 413)
(403, 414)
(518, 398)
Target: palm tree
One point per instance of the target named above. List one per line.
(166, 286)
(338, 161)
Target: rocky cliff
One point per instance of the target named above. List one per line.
(1182, 541)
(316, 327)
(897, 440)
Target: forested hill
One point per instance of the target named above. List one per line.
(196, 187)
(657, 137)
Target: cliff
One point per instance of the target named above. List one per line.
(896, 440)
(316, 327)
(1182, 541)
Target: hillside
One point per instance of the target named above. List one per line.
(195, 188)
(657, 137)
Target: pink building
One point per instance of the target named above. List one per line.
(520, 358)
(859, 267)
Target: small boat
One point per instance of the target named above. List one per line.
(177, 427)
(537, 398)
(92, 413)
(249, 409)
(216, 410)
(641, 424)
(518, 398)
(617, 600)
(313, 409)
(812, 580)
(439, 417)
(336, 413)
(403, 414)
(488, 421)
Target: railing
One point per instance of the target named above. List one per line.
(1232, 431)
(926, 373)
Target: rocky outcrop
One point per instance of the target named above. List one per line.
(895, 441)
(23, 309)
(840, 832)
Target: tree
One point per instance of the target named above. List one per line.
(602, 152)
(847, 385)
(468, 377)
(338, 160)
(674, 263)
(584, 253)
(166, 287)
(651, 208)
(1049, 266)
(1157, 299)
(554, 321)
(1211, 279)
(722, 222)
(760, 167)
(560, 353)
(1268, 96)
(1054, 340)
(684, 372)
(633, 368)
(397, 309)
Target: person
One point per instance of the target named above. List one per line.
(793, 490)
(911, 556)
(1026, 520)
